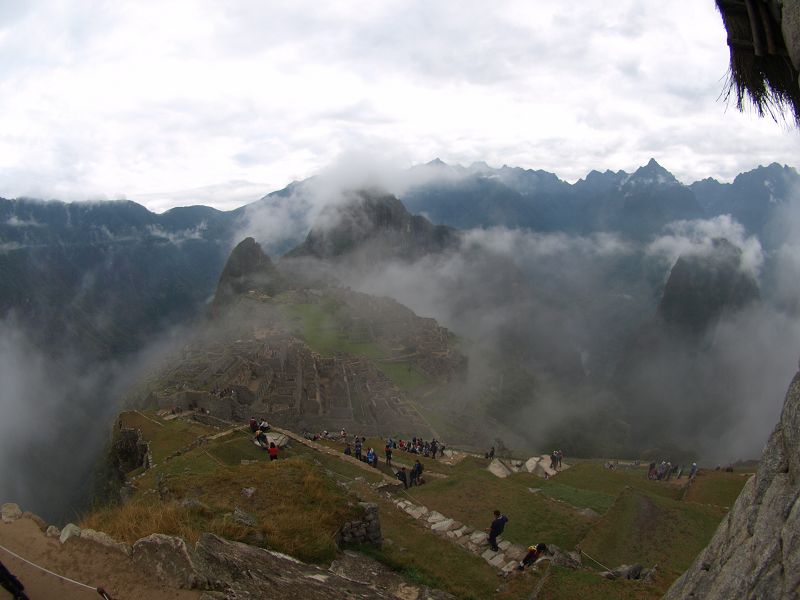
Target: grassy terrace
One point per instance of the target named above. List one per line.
(322, 331)
(302, 499)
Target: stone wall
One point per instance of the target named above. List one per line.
(129, 451)
(366, 530)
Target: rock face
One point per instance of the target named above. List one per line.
(247, 268)
(755, 552)
(169, 559)
(701, 288)
(377, 223)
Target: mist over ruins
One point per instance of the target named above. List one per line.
(441, 302)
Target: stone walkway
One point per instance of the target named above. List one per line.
(472, 540)
(341, 456)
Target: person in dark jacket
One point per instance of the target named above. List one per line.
(496, 529)
(9, 582)
(403, 477)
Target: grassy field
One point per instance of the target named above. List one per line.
(717, 487)
(302, 499)
(322, 331)
(404, 375)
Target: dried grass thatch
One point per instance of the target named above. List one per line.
(760, 64)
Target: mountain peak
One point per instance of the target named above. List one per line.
(377, 218)
(653, 174)
(247, 268)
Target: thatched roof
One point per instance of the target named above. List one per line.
(760, 65)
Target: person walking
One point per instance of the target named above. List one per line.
(496, 528)
(403, 477)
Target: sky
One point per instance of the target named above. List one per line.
(176, 102)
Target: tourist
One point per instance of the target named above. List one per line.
(371, 457)
(347, 450)
(403, 477)
(273, 451)
(358, 449)
(491, 452)
(693, 470)
(253, 424)
(535, 552)
(388, 452)
(496, 528)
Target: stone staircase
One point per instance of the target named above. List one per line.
(472, 540)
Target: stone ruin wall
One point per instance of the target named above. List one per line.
(366, 530)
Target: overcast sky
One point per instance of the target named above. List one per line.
(173, 102)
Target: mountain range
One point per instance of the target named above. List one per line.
(105, 276)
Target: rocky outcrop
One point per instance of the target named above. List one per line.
(235, 570)
(10, 512)
(169, 559)
(701, 288)
(366, 530)
(378, 225)
(755, 552)
(248, 268)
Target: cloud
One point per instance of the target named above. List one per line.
(178, 237)
(272, 94)
(696, 237)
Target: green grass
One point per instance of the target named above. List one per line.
(472, 495)
(566, 584)
(591, 476)
(642, 521)
(431, 560)
(599, 502)
(233, 451)
(404, 375)
(650, 529)
(322, 331)
(716, 487)
(167, 438)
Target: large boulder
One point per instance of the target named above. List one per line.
(169, 559)
(70, 531)
(250, 572)
(755, 552)
(498, 469)
(10, 512)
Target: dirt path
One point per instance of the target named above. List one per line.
(81, 560)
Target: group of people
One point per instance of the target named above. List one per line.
(412, 477)
(665, 470)
(556, 456)
(356, 450)
(416, 445)
(259, 428)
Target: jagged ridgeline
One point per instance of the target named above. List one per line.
(307, 355)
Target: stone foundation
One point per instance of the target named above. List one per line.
(366, 530)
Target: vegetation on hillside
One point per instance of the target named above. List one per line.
(302, 499)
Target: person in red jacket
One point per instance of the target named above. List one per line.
(273, 451)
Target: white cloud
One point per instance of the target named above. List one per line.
(102, 100)
(697, 237)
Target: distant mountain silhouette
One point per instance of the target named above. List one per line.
(377, 221)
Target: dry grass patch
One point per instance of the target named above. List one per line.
(296, 508)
